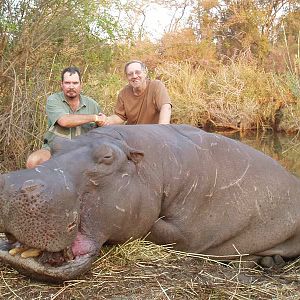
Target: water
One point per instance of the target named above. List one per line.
(284, 148)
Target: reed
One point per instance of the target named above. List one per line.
(239, 95)
(291, 79)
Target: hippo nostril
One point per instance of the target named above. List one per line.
(10, 237)
(32, 187)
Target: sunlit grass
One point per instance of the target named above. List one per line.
(239, 96)
(142, 270)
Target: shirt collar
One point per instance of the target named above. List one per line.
(82, 101)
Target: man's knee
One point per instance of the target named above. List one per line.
(37, 158)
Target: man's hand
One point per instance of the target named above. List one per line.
(101, 120)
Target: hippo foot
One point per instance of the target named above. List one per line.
(274, 262)
(39, 267)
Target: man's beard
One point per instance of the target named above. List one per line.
(72, 95)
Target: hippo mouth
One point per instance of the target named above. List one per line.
(43, 265)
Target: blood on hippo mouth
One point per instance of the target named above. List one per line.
(81, 246)
(44, 266)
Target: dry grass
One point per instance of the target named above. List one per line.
(186, 86)
(23, 119)
(239, 96)
(142, 270)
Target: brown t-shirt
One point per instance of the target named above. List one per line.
(145, 108)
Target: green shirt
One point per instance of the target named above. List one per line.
(56, 107)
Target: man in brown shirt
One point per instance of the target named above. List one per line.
(142, 101)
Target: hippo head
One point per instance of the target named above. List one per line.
(41, 208)
(32, 214)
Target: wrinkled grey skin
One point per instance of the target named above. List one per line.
(203, 192)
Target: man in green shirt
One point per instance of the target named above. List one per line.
(69, 114)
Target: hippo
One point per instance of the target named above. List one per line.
(171, 184)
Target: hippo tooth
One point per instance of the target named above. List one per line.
(31, 253)
(16, 251)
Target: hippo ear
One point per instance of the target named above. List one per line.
(132, 154)
(135, 155)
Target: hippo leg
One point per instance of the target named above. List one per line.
(288, 248)
(273, 257)
(275, 261)
(164, 232)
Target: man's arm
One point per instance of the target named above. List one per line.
(70, 121)
(165, 114)
(114, 119)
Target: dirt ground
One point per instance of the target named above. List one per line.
(140, 270)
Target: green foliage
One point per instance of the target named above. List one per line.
(37, 40)
(255, 85)
(238, 26)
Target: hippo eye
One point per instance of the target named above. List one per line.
(103, 155)
(107, 159)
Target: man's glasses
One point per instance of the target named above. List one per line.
(137, 73)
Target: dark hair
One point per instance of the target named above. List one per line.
(144, 68)
(71, 70)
